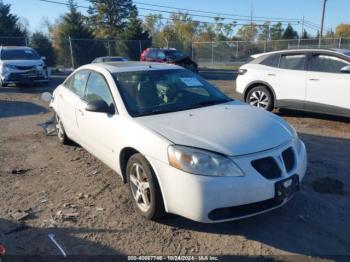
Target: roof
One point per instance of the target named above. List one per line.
(115, 67)
(338, 51)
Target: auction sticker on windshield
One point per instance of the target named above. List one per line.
(191, 81)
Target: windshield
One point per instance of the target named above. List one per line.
(163, 91)
(173, 53)
(19, 54)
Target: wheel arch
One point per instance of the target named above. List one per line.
(251, 85)
(124, 157)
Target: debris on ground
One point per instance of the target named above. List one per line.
(20, 171)
(328, 185)
(52, 238)
(99, 209)
(48, 126)
(20, 215)
(75, 159)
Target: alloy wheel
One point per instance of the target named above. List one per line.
(259, 99)
(140, 187)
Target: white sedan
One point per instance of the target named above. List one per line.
(182, 146)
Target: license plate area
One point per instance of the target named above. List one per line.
(285, 188)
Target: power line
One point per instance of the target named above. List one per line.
(213, 17)
(217, 13)
(163, 18)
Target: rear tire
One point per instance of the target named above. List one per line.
(261, 97)
(61, 133)
(144, 188)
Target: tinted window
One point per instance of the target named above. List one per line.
(271, 60)
(327, 64)
(77, 82)
(160, 55)
(161, 91)
(97, 89)
(292, 62)
(152, 54)
(173, 53)
(19, 54)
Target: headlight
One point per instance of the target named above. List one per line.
(202, 162)
(6, 69)
(297, 141)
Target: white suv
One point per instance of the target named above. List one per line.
(21, 65)
(304, 79)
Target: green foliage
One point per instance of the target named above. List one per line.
(248, 32)
(109, 18)
(42, 44)
(73, 25)
(276, 31)
(10, 26)
(290, 33)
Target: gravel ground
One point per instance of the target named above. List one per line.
(49, 188)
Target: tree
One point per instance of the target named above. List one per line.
(276, 31)
(42, 44)
(10, 26)
(109, 18)
(290, 33)
(73, 26)
(248, 32)
(305, 35)
(134, 33)
(264, 33)
(343, 30)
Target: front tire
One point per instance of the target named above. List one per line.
(61, 133)
(260, 97)
(144, 188)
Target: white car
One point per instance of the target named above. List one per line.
(311, 79)
(21, 65)
(182, 145)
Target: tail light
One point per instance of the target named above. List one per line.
(242, 71)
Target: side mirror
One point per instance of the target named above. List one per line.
(100, 106)
(46, 96)
(345, 69)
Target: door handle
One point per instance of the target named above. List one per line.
(314, 79)
(271, 74)
(81, 111)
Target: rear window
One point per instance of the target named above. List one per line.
(19, 54)
(173, 53)
(271, 60)
(293, 62)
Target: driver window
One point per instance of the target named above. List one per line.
(327, 64)
(97, 89)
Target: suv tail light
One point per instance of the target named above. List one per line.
(242, 71)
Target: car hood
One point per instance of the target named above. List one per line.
(232, 128)
(22, 62)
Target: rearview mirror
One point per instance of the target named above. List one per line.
(345, 69)
(100, 106)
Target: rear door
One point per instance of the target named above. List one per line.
(99, 130)
(288, 80)
(328, 90)
(67, 102)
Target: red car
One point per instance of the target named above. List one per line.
(171, 56)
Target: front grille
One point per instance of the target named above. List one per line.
(244, 210)
(25, 67)
(289, 159)
(267, 167)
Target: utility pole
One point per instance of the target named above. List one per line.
(322, 22)
(302, 31)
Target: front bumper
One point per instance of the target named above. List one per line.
(196, 197)
(25, 77)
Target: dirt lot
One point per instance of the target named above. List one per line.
(66, 191)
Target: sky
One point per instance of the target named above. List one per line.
(35, 11)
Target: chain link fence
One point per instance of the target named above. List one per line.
(72, 52)
(237, 52)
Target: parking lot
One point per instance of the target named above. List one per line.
(66, 191)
